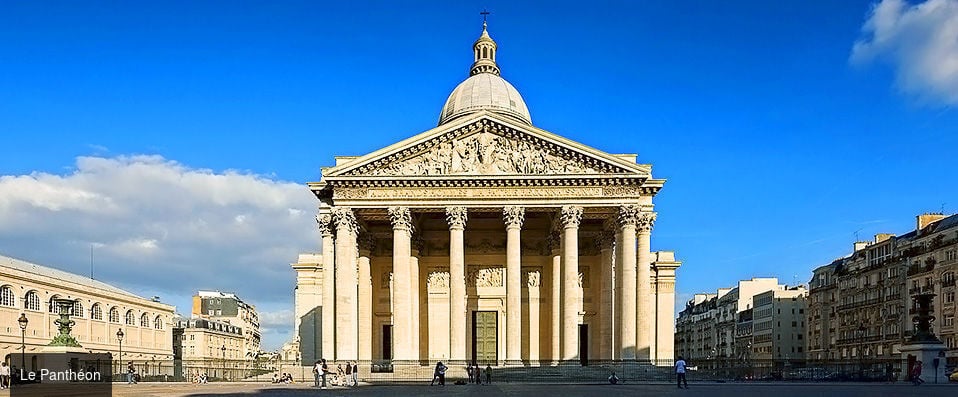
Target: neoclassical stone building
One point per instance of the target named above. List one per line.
(486, 239)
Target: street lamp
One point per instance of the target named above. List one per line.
(119, 339)
(861, 350)
(23, 338)
(223, 349)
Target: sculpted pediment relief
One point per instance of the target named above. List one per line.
(486, 147)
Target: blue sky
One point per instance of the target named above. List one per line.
(778, 140)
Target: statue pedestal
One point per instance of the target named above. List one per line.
(927, 353)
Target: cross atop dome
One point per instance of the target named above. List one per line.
(484, 50)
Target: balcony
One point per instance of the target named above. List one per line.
(920, 268)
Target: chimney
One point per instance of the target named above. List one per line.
(882, 237)
(860, 245)
(928, 218)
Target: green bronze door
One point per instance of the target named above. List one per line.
(485, 330)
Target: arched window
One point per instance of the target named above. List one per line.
(130, 319)
(77, 309)
(52, 305)
(144, 320)
(32, 301)
(114, 315)
(96, 312)
(7, 297)
(158, 322)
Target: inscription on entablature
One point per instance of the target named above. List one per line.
(480, 193)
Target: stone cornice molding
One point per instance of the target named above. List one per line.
(571, 216)
(325, 223)
(401, 218)
(628, 215)
(645, 222)
(513, 216)
(345, 220)
(457, 217)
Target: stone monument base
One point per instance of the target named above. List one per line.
(926, 353)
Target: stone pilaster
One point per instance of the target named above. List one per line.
(555, 295)
(457, 217)
(571, 216)
(415, 287)
(625, 246)
(325, 222)
(365, 299)
(605, 241)
(644, 310)
(347, 330)
(402, 279)
(513, 218)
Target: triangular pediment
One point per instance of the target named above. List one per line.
(486, 145)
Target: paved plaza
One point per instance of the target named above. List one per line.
(710, 389)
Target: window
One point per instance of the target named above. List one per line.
(7, 298)
(52, 305)
(114, 315)
(130, 319)
(144, 320)
(32, 301)
(158, 322)
(96, 312)
(77, 309)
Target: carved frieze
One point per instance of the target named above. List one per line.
(485, 276)
(385, 279)
(621, 191)
(485, 245)
(532, 277)
(438, 280)
(584, 278)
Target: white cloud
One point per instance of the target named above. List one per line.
(920, 41)
(162, 228)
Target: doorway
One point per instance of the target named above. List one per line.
(584, 344)
(485, 332)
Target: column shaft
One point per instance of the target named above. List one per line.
(414, 288)
(346, 288)
(328, 333)
(643, 288)
(605, 299)
(457, 216)
(365, 306)
(513, 217)
(402, 307)
(571, 216)
(555, 297)
(627, 330)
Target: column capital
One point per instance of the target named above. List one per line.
(325, 223)
(457, 217)
(628, 215)
(367, 242)
(645, 222)
(345, 220)
(571, 216)
(401, 218)
(513, 216)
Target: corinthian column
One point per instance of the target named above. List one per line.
(571, 216)
(365, 308)
(328, 336)
(513, 218)
(402, 280)
(625, 248)
(605, 241)
(555, 295)
(456, 216)
(644, 312)
(347, 325)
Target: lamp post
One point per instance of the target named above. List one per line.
(223, 349)
(23, 321)
(861, 351)
(119, 339)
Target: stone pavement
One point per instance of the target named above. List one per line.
(705, 389)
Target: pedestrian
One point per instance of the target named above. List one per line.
(680, 373)
(349, 374)
(613, 379)
(130, 373)
(488, 373)
(889, 374)
(317, 372)
(916, 374)
(478, 374)
(470, 373)
(355, 374)
(4, 376)
(442, 373)
(325, 370)
(340, 375)
(435, 374)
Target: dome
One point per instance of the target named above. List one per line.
(485, 91)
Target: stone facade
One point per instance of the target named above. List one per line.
(229, 308)
(486, 239)
(216, 348)
(99, 312)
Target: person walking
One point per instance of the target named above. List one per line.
(323, 371)
(488, 373)
(916, 374)
(435, 374)
(349, 374)
(478, 374)
(4, 376)
(680, 373)
(317, 373)
(130, 374)
(355, 374)
(442, 373)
